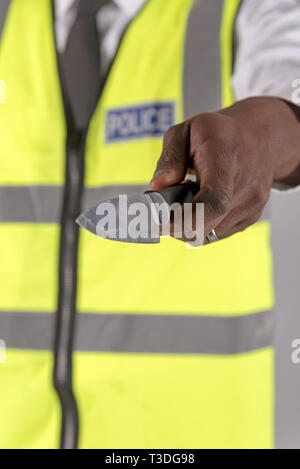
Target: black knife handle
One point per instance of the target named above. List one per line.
(181, 193)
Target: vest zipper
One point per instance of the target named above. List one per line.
(69, 236)
(66, 313)
(68, 257)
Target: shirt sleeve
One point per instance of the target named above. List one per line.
(267, 60)
(267, 57)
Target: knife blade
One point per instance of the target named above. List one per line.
(135, 218)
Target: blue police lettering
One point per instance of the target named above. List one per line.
(139, 121)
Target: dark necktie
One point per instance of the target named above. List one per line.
(81, 63)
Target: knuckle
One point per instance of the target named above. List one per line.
(259, 197)
(242, 227)
(251, 220)
(220, 203)
(256, 215)
(171, 133)
(255, 199)
(174, 151)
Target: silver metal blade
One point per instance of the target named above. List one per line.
(129, 219)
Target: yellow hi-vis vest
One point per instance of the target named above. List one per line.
(123, 346)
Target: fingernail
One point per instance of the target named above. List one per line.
(157, 174)
(160, 173)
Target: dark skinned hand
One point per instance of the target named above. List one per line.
(237, 153)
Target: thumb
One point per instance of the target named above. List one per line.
(173, 163)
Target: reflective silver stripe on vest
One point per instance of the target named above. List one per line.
(285, 243)
(202, 65)
(30, 204)
(133, 333)
(92, 195)
(42, 204)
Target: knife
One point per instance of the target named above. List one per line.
(134, 219)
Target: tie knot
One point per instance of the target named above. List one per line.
(90, 6)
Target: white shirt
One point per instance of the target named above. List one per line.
(268, 58)
(268, 33)
(112, 20)
(268, 36)
(268, 53)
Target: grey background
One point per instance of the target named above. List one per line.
(285, 210)
(203, 25)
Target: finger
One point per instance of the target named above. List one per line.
(185, 224)
(237, 219)
(173, 163)
(216, 169)
(235, 222)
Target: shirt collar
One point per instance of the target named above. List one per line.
(130, 7)
(63, 6)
